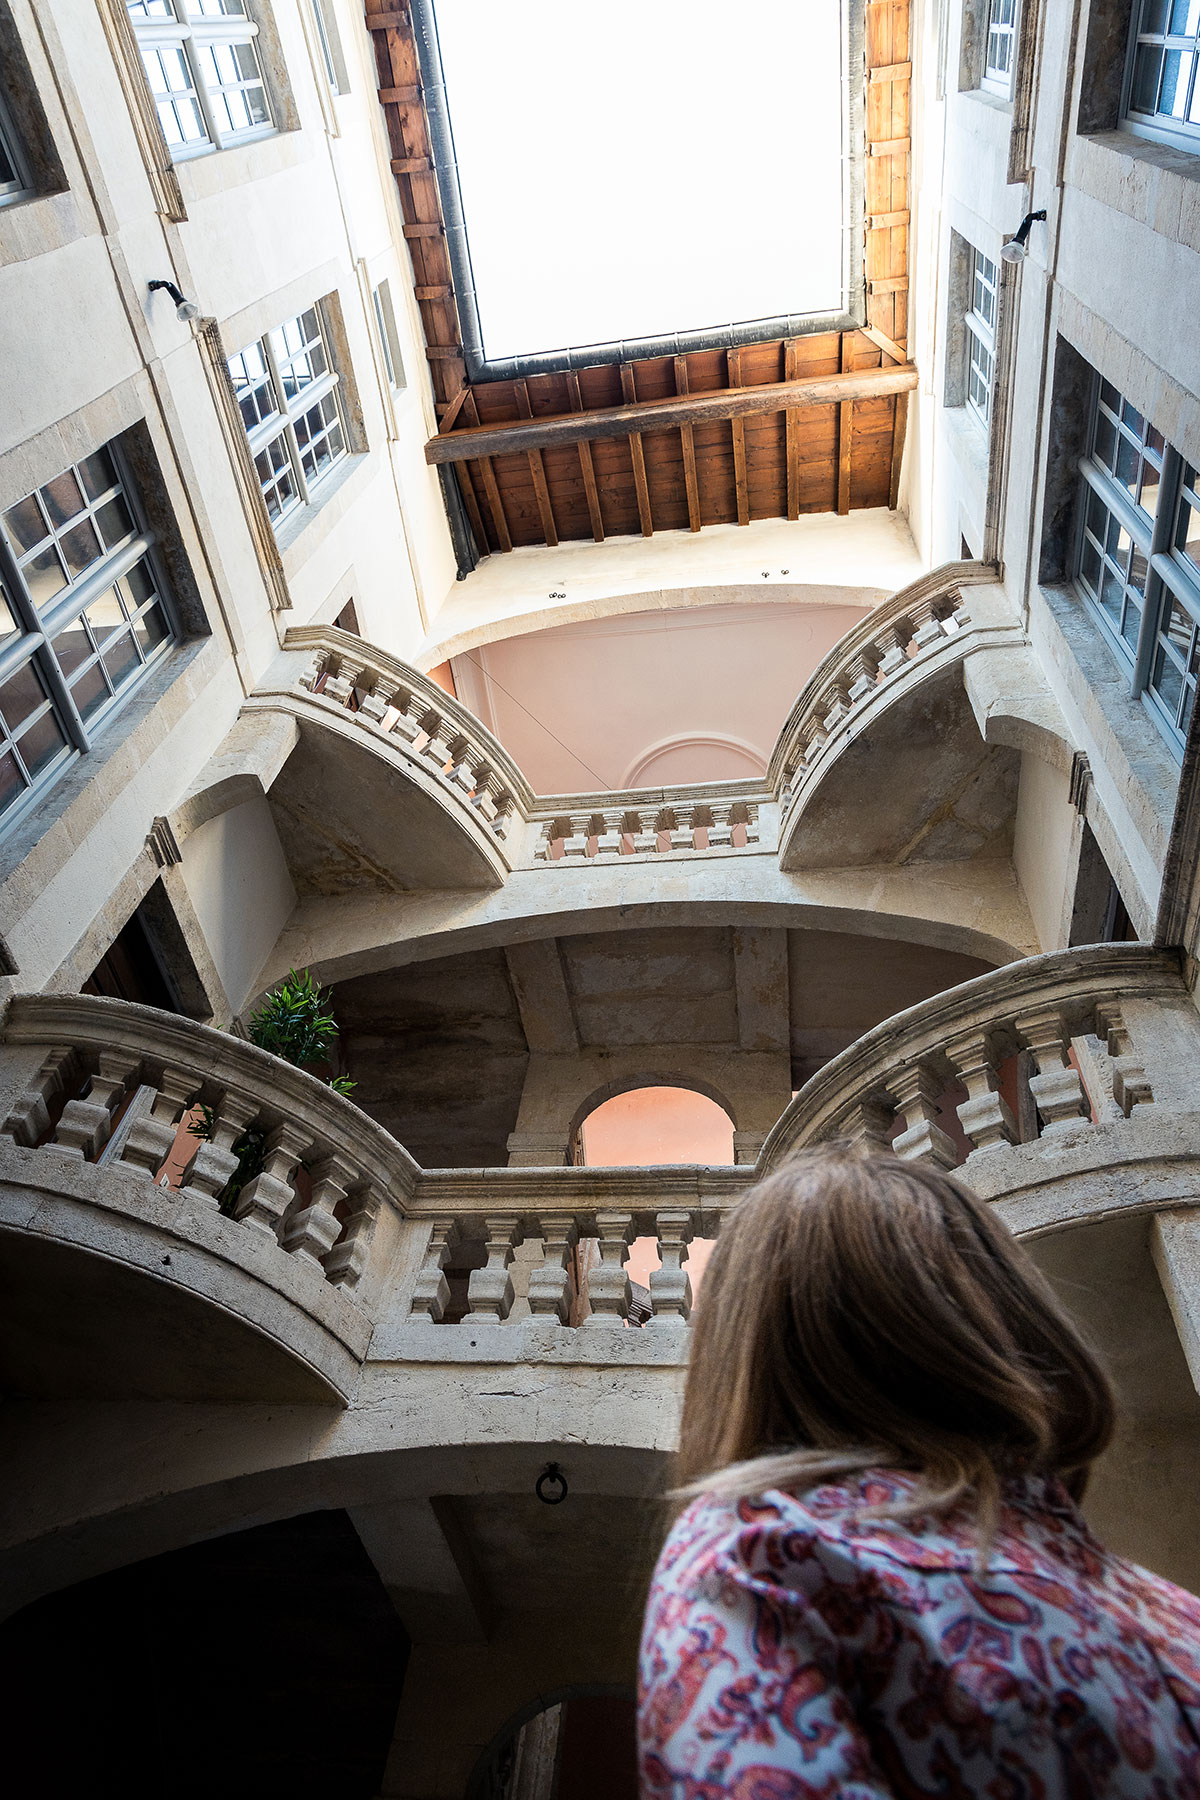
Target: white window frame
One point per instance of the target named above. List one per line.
(184, 28)
(32, 643)
(1121, 540)
(389, 336)
(1000, 32)
(980, 335)
(19, 187)
(1164, 128)
(279, 430)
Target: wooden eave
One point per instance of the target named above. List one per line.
(770, 430)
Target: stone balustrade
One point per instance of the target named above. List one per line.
(388, 696)
(1034, 1054)
(98, 1081)
(696, 819)
(912, 628)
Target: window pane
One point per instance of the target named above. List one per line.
(174, 90)
(97, 474)
(121, 659)
(114, 521)
(25, 524)
(12, 783)
(104, 614)
(1177, 70)
(1187, 534)
(62, 498)
(72, 647)
(80, 547)
(1167, 681)
(252, 385)
(9, 623)
(20, 696)
(44, 576)
(150, 629)
(138, 586)
(41, 743)
(90, 691)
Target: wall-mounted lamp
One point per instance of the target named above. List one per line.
(184, 309)
(1014, 251)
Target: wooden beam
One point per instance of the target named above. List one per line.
(687, 439)
(411, 165)
(887, 221)
(434, 293)
(455, 407)
(495, 503)
(537, 470)
(641, 486)
(667, 415)
(845, 431)
(890, 147)
(888, 284)
(890, 72)
(896, 351)
(466, 487)
(442, 352)
(399, 96)
(899, 428)
(733, 368)
(386, 21)
(791, 362)
(586, 466)
(432, 228)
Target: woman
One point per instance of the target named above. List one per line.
(881, 1585)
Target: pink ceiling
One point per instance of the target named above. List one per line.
(649, 699)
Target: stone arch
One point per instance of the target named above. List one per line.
(636, 774)
(660, 1078)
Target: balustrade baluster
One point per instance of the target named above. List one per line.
(1129, 1084)
(984, 1115)
(490, 1290)
(927, 626)
(313, 670)
(1056, 1088)
(411, 710)
(608, 839)
(152, 1137)
(340, 687)
(609, 1292)
(720, 831)
(896, 637)
(314, 1229)
(345, 1263)
(575, 839)
(263, 1201)
(671, 1285)
(869, 1123)
(645, 836)
(85, 1124)
(432, 1291)
(916, 1091)
(374, 706)
(550, 1283)
(862, 669)
(214, 1162)
(29, 1119)
(440, 735)
(837, 703)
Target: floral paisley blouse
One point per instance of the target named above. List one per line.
(792, 1650)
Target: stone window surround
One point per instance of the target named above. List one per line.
(23, 122)
(273, 69)
(1135, 772)
(973, 50)
(1102, 79)
(981, 454)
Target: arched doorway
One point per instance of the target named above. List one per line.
(654, 1127)
(580, 1744)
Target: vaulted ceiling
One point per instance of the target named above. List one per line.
(794, 425)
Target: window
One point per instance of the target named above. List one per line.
(981, 336)
(1138, 562)
(202, 63)
(83, 615)
(14, 184)
(330, 49)
(999, 51)
(1162, 96)
(287, 390)
(389, 336)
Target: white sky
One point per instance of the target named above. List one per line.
(645, 166)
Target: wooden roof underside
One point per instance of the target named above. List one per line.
(596, 464)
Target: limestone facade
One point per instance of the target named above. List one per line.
(959, 912)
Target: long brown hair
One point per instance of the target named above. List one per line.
(866, 1311)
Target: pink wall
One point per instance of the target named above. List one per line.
(649, 699)
(659, 1125)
